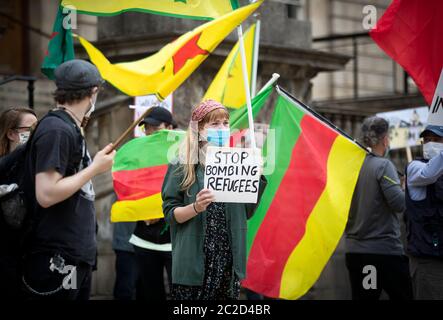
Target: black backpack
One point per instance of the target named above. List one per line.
(15, 205)
(12, 203)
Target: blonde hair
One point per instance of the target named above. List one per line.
(190, 148)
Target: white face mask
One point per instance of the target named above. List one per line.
(93, 100)
(85, 120)
(432, 149)
(24, 137)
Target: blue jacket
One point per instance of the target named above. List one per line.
(424, 220)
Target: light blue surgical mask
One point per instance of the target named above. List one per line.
(218, 137)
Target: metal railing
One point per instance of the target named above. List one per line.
(354, 38)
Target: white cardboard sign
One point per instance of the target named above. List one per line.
(436, 109)
(142, 103)
(233, 174)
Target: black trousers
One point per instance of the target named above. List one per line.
(39, 282)
(427, 278)
(10, 281)
(151, 265)
(126, 275)
(391, 275)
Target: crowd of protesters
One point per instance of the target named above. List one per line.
(48, 224)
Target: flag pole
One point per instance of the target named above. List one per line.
(120, 139)
(255, 56)
(271, 81)
(246, 85)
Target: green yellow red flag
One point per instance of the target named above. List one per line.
(304, 209)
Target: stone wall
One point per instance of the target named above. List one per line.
(278, 28)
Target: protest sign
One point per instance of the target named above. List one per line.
(233, 174)
(405, 126)
(144, 102)
(436, 108)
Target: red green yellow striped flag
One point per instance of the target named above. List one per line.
(140, 166)
(304, 208)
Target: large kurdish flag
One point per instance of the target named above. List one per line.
(139, 168)
(141, 164)
(205, 10)
(304, 208)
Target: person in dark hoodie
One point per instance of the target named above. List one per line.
(15, 127)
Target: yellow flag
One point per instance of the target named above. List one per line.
(227, 86)
(165, 71)
(193, 9)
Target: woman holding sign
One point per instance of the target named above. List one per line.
(208, 238)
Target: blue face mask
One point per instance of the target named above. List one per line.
(218, 137)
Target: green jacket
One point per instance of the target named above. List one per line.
(188, 260)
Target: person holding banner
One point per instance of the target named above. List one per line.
(208, 238)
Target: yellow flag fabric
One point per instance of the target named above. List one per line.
(227, 86)
(193, 9)
(165, 71)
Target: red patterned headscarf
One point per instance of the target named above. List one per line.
(204, 108)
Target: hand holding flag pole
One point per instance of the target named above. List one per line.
(120, 139)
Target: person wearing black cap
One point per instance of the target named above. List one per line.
(159, 118)
(424, 216)
(151, 238)
(61, 245)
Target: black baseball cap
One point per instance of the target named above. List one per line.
(437, 130)
(77, 74)
(157, 116)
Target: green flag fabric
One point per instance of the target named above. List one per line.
(61, 45)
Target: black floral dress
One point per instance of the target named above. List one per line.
(220, 281)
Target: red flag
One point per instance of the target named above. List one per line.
(410, 33)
